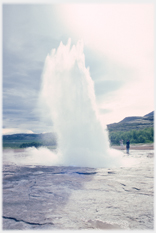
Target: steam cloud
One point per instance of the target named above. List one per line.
(68, 96)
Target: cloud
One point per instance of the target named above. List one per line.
(29, 34)
(124, 32)
(124, 35)
(118, 48)
(15, 131)
(106, 86)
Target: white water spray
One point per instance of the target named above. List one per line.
(68, 93)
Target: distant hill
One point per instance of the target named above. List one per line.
(17, 140)
(136, 129)
(150, 116)
(134, 122)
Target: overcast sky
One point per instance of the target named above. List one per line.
(118, 47)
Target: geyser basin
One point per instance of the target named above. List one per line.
(68, 98)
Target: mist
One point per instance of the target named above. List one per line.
(67, 98)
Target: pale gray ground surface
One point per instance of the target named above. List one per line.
(50, 197)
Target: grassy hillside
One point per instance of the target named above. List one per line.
(133, 123)
(136, 129)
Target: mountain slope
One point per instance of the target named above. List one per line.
(134, 122)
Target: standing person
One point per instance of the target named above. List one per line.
(121, 144)
(127, 146)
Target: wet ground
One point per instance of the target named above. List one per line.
(51, 197)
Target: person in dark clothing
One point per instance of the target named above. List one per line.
(127, 146)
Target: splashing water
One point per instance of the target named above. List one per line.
(68, 94)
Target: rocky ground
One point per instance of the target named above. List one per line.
(51, 197)
(136, 147)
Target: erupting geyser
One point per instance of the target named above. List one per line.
(68, 94)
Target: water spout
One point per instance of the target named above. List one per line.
(68, 94)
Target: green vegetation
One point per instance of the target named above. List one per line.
(31, 144)
(135, 136)
(133, 123)
(36, 144)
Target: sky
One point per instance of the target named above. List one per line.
(118, 47)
